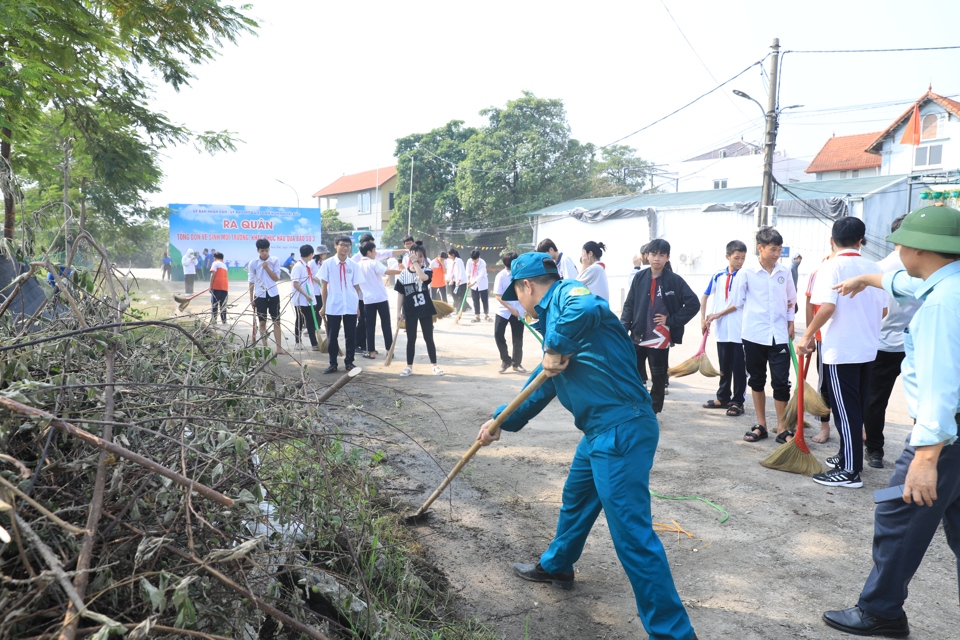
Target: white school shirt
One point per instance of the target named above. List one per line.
(478, 275)
(899, 312)
(727, 328)
(567, 267)
(302, 274)
(263, 285)
(382, 254)
(500, 284)
(458, 271)
(852, 334)
(448, 269)
(767, 301)
(373, 272)
(342, 298)
(594, 278)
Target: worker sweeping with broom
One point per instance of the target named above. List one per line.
(592, 369)
(658, 306)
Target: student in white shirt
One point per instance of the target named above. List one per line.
(303, 291)
(851, 329)
(767, 297)
(189, 270)
(727, 332)
(479, 284)
(262, 275)
(448, 272)
(565, 264)
(361, 315)
(594, 275)
(458, 278)
(375, 298)
(509, 313)
(341, 298)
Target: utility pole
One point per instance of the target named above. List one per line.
(410, 201)
(770, 143)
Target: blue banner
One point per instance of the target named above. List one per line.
(234, 230)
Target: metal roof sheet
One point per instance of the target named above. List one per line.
(852, 187)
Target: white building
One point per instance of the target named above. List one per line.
(365, 199)
(736, 165)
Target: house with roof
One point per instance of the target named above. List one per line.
(846, 157)
(739, 164)
(364, 199)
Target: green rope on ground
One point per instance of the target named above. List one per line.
(725, 517)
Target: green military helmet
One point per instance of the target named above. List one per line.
(930, 228)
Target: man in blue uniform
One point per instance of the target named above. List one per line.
(929, 467)
(592, 370)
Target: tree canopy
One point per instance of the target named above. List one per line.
(470, 181)
(75, 94)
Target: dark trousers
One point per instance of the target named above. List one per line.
(478, 298)
(371, 311)
(902, 532)
(733, 370)
(824, 381)
(349, 334)
(886, 368)
(459, 293)
(426, 324)
(757, 357)
(306, 316)
(849, 384)
(438, 293)
(500, 337)
(659, 360)
(188, 280)
(219, 300)
(361, 328)
(642, 363)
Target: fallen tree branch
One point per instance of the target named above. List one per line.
(111, 447)
(39, 507)
(112, 325)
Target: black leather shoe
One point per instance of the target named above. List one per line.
(331, 369)
(875, 459)
(860, 623)
(535, 573)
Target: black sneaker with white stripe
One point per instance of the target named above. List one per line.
(839, 478)
(834, 461)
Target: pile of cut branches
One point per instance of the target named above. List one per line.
(160, 479)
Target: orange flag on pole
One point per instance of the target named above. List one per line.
(911, 135)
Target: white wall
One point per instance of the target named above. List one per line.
(844, 175)
(742, 171)
(899, 158)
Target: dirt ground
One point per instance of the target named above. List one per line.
(789, 550)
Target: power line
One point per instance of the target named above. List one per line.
(870, 50)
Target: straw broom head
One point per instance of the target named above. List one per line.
(706, 367)
(443, 309)
(788, 457)
(813, 402)
(685, 368)
(180, 299)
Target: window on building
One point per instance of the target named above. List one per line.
(928, 126)
(390, 201)
(720, 184)
(723, 153)
(363, 203)
(855, 173)
(843, 175)
(928, 156)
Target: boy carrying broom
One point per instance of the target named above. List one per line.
(851, 330)
(729, 343)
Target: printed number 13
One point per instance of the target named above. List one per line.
(419, 300)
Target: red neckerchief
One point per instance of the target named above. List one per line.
(653, 291)
(475, 265)
(726, 287)
(851, 252)
(343, 274)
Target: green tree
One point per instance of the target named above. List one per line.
(524, 159)
(332, 226)
(435, 156)
(90, 62)
(619, 172)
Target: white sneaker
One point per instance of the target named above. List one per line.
(406, 372)
(437, 371)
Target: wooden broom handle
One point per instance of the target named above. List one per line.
(516, 402)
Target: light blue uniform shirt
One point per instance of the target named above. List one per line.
(931, 368)
(601, 386)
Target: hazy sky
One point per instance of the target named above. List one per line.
(326, 88)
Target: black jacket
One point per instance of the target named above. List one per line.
(681, 302)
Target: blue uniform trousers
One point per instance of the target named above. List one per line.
(902, 533)
(611, 471)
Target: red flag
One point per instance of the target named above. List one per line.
(911, 135)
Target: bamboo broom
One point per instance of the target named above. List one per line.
(794, 456)
(463, 303)
(813, 401)
(698, 362)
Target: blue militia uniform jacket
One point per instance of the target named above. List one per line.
(601, 386)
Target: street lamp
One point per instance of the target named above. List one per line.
(291, 188)
(772, 116)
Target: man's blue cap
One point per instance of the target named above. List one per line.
(528, 265)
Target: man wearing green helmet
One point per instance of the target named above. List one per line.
(929, 467)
